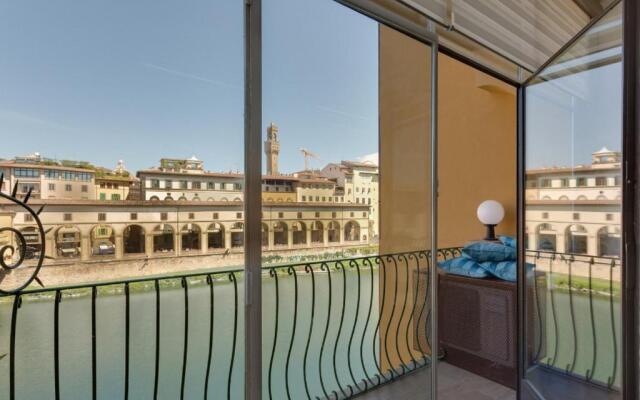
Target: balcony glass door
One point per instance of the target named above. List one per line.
(346, 201)
(572, 219)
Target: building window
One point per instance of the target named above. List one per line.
(67, 187)
(51, 174)
(237, 186)
(195, 185)
(617, 180)
(576, 216)
(609, 217)
(317, 198)
(164, 216)
(369, 201)
(280, 215)
(26, 172)
(334, 214)
(324, 199)
(601, 181)
(563, 182)
(210, 185)
(239, 215)
(352, 214)
(168, 184)
(192, 215)
(304, 198)
(545, 183)
(215, 215)
(317, 214)
(102, 216)
(581, 182)
(155, 183)
(52, 186)
(183, 184)
(545, 215)
(133, 216)
(84, 188)
(67, 217)
(28, 217)
(299, 215)
(115, 196)
(364, 214)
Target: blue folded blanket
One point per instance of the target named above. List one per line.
(482, 259)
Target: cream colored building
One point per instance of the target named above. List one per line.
(576, 209)
(49, 181)
(113, 187)
(93, 230)
(360, 183)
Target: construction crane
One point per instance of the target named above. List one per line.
(307, 155)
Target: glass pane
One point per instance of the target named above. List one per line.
(126, 120)
(573, 216)
(345, 102)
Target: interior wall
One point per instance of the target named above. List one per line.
(476, 151)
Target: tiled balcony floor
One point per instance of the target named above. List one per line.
(454, 384)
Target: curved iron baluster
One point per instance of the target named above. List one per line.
(211, 326)
(591, 371)
(614, 339)
(552, 361)
(571, 367)
(352, 264)
(393, 308)
(22, 248)
(423, 254)
(402, 313)
(17, 302)
(185, 286)
(339, 266)
(413, 256)
(325, 267)
(232, 278)
(368, 262)
(94, 345)
(292, 271)
(56, 343)
(309, 270)
(538, 307)
(126, 342)
(274, 274)
(156, 285)
(391, 371)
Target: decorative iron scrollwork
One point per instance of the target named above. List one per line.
(17, 252)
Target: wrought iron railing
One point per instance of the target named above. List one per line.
(575, 318)
(331, 329)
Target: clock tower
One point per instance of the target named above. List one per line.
(272, 149)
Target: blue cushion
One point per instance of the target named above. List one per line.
(508, 241)
(463, 266)
(482, 251)
(505, 270)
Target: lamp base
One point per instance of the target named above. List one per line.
(491, 234)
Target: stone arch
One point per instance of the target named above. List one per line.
(317, 232)
(576, 239)
(168, 198)
(31, 236)
(564, 198)
(352, 231)
(333, 231)
(237, 234)
(67, 241)
(280, 233)
(215, 236)
(182, 198)
(601, 197)
(265, 235)
(103, 241)
(163, 238)
(190, 237)
(546, 237)
(581, 197)
(154, 198)
(299, 230)
(609, 241)
(133, 239)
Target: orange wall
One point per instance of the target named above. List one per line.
(476, 151)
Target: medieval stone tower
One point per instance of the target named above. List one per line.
(272, 149)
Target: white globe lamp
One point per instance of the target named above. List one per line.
(490, 213)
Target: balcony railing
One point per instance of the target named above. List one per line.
(326, 332)
(331, 329)
(575, 316)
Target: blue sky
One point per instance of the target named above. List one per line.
(102, 80)
(137, 80)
